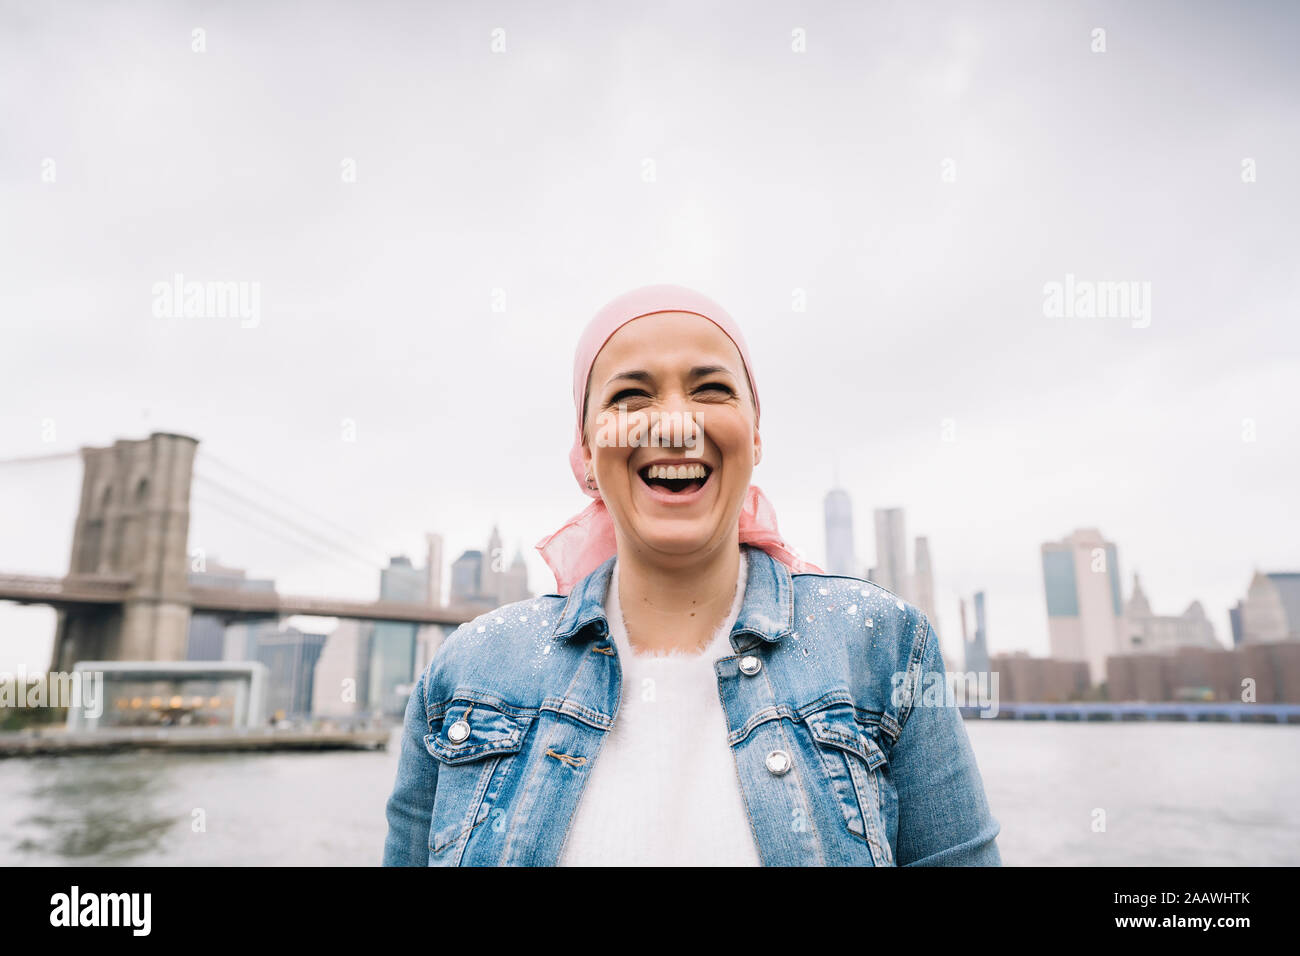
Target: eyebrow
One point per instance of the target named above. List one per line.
(640, 375)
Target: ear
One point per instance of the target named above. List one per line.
(758, 447)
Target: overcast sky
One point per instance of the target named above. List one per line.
(880, 212)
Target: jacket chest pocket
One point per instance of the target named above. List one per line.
(475, 745)
(858, 772)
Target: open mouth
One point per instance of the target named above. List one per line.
(676, 479)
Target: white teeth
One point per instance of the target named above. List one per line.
(677, 471)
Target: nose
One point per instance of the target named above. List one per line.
(674, 424)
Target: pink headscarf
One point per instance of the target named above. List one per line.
(587, 540)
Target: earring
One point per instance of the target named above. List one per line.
(589, 484)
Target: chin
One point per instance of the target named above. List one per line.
(687, 539)
(684, 540)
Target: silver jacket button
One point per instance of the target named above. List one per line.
(458, 731)
(778, 761)
(750, 665)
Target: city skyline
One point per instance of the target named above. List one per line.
(837, 507)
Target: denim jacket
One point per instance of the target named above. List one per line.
(840, 759)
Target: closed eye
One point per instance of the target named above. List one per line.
(726, 389)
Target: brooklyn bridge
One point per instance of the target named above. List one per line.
(127, 594)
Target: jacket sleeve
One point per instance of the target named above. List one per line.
(943, 812)
(410, 807)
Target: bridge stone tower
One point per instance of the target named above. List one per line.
(133, 523)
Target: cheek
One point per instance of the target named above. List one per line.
(616, 435)
(732, 434)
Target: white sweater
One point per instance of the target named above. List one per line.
(663, 789)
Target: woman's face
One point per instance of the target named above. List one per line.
(683, 383)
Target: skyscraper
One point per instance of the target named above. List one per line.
(290, 656)
(1084, 615)
(1234, 621)
(891, 551)
(392, 650)
(976, 648)
(840, 555)
(338, 689)
(922, 590)
(494, 564)
(1147, 632)
(466, 572)
(210, 637)
(1271, 611)
(433, 566)
(482, 580)
(429, 637)
(514, 580)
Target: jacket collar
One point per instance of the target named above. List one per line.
(766, 612)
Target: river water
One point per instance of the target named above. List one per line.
(1066, 794)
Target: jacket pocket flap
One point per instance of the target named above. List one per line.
(472, 730)
(831, 728)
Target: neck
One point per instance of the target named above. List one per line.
(676, 604)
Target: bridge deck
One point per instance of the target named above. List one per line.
(73, 591)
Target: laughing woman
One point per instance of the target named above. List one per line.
(693, 693)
